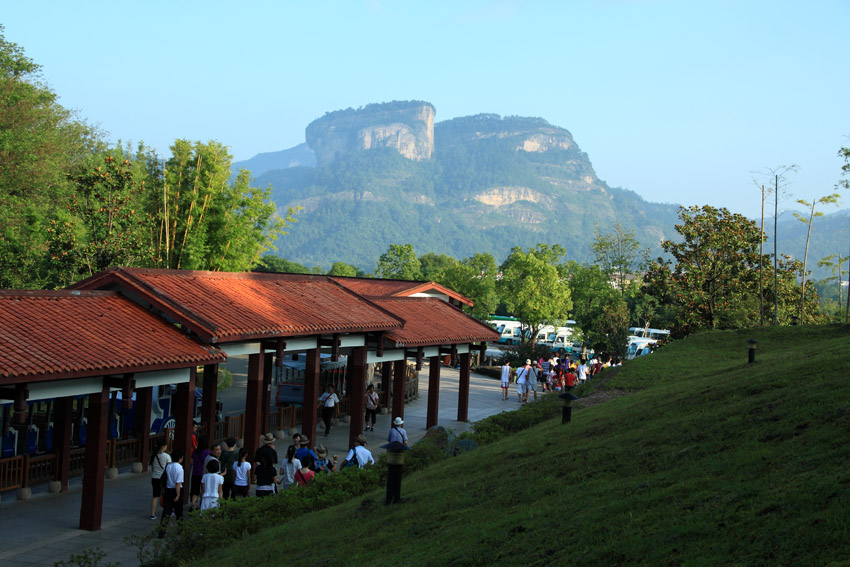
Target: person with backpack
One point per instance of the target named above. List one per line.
(358, 455)
(322, 463)
(158, 461)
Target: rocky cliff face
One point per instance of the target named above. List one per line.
(407, 127)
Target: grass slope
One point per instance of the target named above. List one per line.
(707, 461)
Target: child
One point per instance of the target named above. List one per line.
(305, 475)
(211, 483)
(242, 470)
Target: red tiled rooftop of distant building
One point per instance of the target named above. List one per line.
(68, 334)
(369, 287)
(226, 307)
(430, 321)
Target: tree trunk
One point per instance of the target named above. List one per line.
(805, 258)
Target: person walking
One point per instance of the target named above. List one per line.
(198, 458)
(212, 483)
(329, 402)
(531, 379)
(304, 475)
(521, 377)
(397, 432)
(242, 475)
(371, 406)
(358, 455)
(323, 464)
(289, 467)
(507, 372)
(173, 498)
(266, 477)
(159, 460)
(266, 450)
(228, 457)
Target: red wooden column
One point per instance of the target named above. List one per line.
(357, 394)
(433, 391)
(91, 508)
(208, 400)
(63, 411)
(253, 404)
(142, 425)
(311, 396)
(399, 378)
(463, 388)
(268, 369)
(386, 381)
(183, 402)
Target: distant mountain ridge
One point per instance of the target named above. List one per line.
(481, 183)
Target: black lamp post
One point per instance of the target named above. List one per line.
(567, 412)
(395, 462)
(751, 358)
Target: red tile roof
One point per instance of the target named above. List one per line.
(369, 287)
(229, 307)
(72, 334)
(431, 321)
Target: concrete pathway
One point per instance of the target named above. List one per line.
(43, 530)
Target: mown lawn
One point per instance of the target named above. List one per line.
(706, 461)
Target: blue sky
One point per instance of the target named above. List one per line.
(679, 101)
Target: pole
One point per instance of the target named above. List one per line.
(775, 251)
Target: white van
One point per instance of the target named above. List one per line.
(639, 346)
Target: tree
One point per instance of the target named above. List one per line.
(399, 262)
(599, 309)
(39, 142)
(203, 220)
(532, 288)
(474, 277)
(102, 224)
(834, 263)
(827, 199)
(617, 253)
(343, 269)
(714, 278)
(272, 263)
(432, 264)
(844, 183)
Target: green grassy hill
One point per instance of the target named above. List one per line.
(701, 460)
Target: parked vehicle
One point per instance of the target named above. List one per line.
(639, 346)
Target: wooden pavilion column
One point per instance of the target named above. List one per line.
(311, 396)
(463, 388)
(386, 381)
(91, 508)
(142, 425)
(182, 405)
(399, 378)
(433, 392)
(210, 395)
(253, 403)
(268, 369)
(356, 393)
(63, 412)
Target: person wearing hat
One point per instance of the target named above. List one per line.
(266, 451)
(358, 455)
(322, 463)
(304, 450)
(397, 432)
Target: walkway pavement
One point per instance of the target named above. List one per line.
(43, 530)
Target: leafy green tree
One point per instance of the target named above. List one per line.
(102, 224)
(714, 272)
(204, 220)
(474, 277)
(399, 262)
(600, 311)
(39, 142)
(343, 269)
(432, 264)
(834, 263)
(272, 263)
(844, 183)
(617, 253)
(532, 288)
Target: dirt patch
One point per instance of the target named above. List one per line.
(598, 395)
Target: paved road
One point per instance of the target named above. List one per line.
(44, 530)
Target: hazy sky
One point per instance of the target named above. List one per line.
(679, 101)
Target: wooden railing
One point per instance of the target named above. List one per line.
(26, 470)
